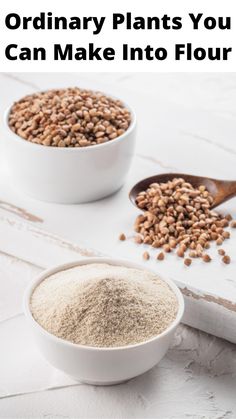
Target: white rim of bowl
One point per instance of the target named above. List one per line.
(131, 127)
(117, 262)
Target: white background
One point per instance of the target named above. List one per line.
(110, 38)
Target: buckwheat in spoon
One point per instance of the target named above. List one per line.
(178, 214)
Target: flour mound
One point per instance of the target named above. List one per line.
(103, 305)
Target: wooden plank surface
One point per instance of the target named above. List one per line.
(175, 133)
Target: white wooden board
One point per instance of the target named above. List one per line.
(172, 136)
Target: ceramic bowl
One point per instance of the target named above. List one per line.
(69, 175)
(101, 366)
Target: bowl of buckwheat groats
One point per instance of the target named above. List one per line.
(69, 145)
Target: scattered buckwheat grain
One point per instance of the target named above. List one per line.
(146, 256)
(122, 237)
(187, 261)
(226, 259)
(138, 239)
(161, 256)
(206, 258)
(226, 234)
(166, 248)
(233, 224)
(221, 252)
(180, 252)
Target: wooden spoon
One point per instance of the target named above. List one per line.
(221, 190)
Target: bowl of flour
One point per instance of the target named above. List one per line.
(103, 321)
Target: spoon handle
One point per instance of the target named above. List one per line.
(226, 191)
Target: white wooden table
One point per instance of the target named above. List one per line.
(197, 377)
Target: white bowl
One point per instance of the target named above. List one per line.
(101, 366)
(69, 175)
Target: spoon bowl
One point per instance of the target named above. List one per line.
(221, 190)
